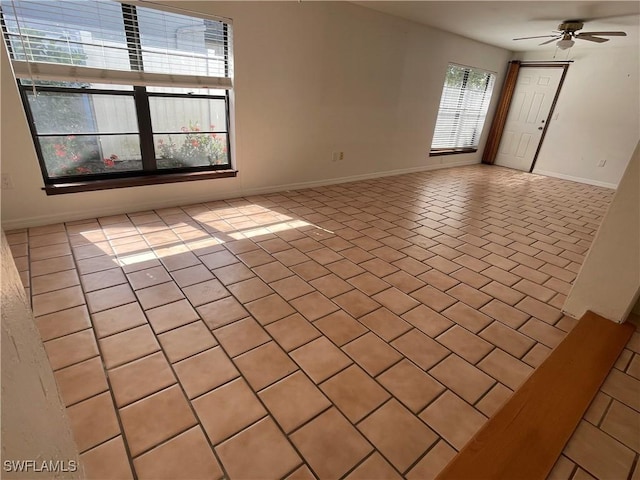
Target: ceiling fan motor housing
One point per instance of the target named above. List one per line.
(570, 26)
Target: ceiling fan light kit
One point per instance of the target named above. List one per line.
(566, 35)
(565, 44)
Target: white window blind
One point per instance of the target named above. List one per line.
(463, 108)
(110, 42)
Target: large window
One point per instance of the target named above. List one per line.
(463, 109)
(115, 91)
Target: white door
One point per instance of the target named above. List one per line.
(530, 106)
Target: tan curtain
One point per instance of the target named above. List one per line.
(500, 117)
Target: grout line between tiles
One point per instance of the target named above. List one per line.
(101, 443)
(241, 375)
(186, 398)
(434, 399)
(419, 459)
(78, 362)
(89, 397)
(111, 394)
(635, 465)
(468, 223)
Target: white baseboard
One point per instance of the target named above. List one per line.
(353, 178)
(69, 216)
(588, 181)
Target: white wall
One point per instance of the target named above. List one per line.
(311, 78)
(598, 115)
(609, 281)
(35, 425)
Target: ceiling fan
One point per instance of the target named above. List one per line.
(566, 34)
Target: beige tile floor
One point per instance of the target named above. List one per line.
(606, 443)
(363, 330)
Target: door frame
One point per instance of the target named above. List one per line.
(504, 104)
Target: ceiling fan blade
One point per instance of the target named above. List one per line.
(540, 36)
(592, 39)
(549, 41)
(607, 34)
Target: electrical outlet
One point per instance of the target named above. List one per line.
(337, 156)
(6, 183)
(602, 163)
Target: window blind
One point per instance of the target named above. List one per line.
(110, 42)
(463, 107)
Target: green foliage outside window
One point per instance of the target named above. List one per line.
(464, 77)
(39, 46)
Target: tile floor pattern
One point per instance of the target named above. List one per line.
(362, 330)
(606, 443)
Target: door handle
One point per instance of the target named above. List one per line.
(540, 128)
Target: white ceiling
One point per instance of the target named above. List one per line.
(499, 22)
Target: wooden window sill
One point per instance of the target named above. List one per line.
(451, 151)
(92, 185)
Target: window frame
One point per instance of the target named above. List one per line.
(150, 173)
(440, 151)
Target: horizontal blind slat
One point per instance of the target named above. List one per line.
(51, 71)
(463, 107)
(94, 35)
